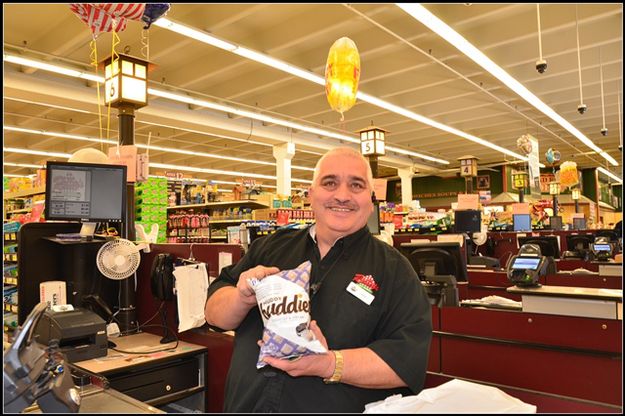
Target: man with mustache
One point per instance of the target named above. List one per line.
(377, 342)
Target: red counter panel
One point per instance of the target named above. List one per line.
(577, 375)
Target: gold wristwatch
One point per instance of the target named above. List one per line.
(338, 369)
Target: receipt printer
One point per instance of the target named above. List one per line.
(80, 333)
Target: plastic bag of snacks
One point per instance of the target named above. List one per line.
(568, 174)
(285, 308)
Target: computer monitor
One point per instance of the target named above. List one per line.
(85, 192)
(468, 221)
(548, 244)
(436, 259)
(579, 223)
(579, 242)
(373, 222)
(521, 222)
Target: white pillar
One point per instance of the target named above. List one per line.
(406, 175)
(283, 153)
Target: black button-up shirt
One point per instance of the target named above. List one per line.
(396, 325)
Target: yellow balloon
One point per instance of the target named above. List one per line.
(342, 75)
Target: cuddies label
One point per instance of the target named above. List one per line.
(284, 305)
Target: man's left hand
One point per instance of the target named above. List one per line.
(321, 365)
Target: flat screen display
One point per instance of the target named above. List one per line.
(526, 263)
(468, 221)
(601, 247)
(522, 222)
(85, 192)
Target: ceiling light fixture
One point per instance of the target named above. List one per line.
(439, 27)
(158, 165)
(143, 146)
(52, 68)
(35, 152)
(24, 165)
(609, 174)
(218, 107)
(317, 79)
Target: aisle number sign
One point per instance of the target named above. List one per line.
(372, 141)
(468, 165)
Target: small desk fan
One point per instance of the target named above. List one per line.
(118, 259)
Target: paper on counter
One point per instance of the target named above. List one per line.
(455, 396)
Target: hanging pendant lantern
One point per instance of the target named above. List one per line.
(342, 75)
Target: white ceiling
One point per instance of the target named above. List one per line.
(402, 62)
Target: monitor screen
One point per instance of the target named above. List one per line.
(522, 222)
(526, 263)
(373, 222)
(85, 192)
(579, 223)
(468, 221)
(548, 244)
(601, 247)
(436, 259)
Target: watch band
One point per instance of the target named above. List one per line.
(338, 369)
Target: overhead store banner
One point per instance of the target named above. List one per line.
(534, 168)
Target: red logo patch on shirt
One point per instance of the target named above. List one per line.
(367, 282)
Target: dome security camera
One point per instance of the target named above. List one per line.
(604, 131)
(541, 66)
(582, 108)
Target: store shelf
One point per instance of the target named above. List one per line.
(10, 308)
(234, 221)
(24, 193)
(249, 203)
(10, 280)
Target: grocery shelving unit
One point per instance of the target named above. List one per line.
(217, 225)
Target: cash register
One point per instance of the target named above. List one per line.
(527, 266)
(602, 248)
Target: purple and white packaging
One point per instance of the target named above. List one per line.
(284, 305)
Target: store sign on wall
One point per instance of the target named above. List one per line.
(435, 195)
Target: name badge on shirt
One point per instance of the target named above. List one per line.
(360, 293)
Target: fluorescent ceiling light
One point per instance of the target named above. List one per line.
(143, 146)
(35, 152)
(220, 107)
(439, 27)
(195, 34)
(216, 171)
(52, 68)
(317, 79)
(11, 175)
(24, 165)
(159, 165)
(609, 174)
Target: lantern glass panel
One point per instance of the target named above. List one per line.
(127, 68)
(133, 89)
(140, 71)
(111, 90)
(370, 134)
(575, 194)
(380, 148)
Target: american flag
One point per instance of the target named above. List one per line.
(107, 17)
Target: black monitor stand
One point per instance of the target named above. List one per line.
(442, 290)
